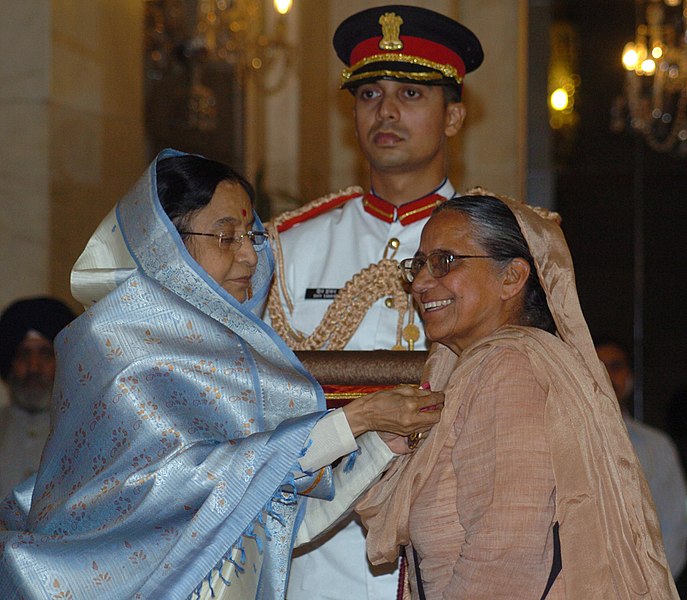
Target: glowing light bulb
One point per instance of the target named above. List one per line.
(559, 99)
(648, 66)
(283, 6)
(657, 52)
(630, 57)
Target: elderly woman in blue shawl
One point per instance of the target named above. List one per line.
(185, 435)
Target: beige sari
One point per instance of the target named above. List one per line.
(611, 543)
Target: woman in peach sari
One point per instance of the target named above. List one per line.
(528, 487)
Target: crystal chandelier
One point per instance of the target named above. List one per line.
(196, 34)
(654, 102)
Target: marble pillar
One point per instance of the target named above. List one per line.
(71, 132)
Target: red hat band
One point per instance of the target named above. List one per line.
(415, 51)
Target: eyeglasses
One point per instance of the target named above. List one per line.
(438, 263)
(225, 241)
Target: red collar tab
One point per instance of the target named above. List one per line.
(406, 213)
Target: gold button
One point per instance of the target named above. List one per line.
(389, 302)
(394, 243)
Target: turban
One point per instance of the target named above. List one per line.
(45, 315)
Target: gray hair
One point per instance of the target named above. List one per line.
(496, 229)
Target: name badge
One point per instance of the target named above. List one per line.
(321, 293)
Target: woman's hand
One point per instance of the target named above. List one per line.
(402, 410)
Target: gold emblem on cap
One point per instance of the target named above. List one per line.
(391, 30)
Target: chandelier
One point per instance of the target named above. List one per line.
(654, 102)
(198, 34)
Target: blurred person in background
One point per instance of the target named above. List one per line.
(27, 366)
(657, 454)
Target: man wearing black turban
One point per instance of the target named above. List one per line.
(27, 365)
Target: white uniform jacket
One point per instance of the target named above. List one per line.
(321, 253)
(323, 248)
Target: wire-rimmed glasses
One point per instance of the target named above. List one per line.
(438, 263)
(226, 241)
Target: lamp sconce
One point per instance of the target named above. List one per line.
(563, 78)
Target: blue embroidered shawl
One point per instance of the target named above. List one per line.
(178, 420)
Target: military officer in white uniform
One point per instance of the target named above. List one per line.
(337, 284)
(318, 262)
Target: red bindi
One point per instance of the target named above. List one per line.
(243, 212)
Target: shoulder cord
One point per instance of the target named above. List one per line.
(342, 318)
(280, 282)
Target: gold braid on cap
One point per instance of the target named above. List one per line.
(347, 310)
(349, 74)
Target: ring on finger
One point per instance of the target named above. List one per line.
(414, 440)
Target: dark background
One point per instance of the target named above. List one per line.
(624, 207)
